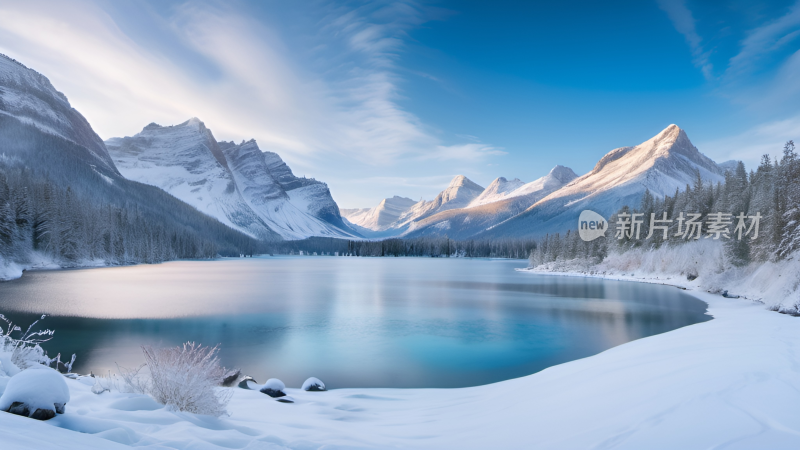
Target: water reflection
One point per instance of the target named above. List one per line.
(354, 322)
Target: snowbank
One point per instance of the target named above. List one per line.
(776, 284)
(9, 270)
(732, 383)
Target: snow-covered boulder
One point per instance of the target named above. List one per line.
(249, 383)
(38, 392)
(231, 377)
(285, 399)
(314, 385)
(274, 388)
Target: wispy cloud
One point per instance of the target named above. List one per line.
(763, 41)
(329, 103)
(749, 145)
(684, 23)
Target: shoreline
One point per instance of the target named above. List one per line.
(19, 271)
(730, 381)
(677, 282)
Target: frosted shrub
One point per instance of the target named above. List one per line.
(186, 378)
(20, 350)
(133, 381)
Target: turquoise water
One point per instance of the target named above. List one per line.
(352, 322)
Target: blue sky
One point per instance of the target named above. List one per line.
(396, 98)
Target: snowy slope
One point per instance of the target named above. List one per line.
(661, 164)
(466, 222)
(28, 96)
(499, 189)
(729, 165)
(555, 179)
(185, 161)
(380, 217)
(292, 213)
(308, 194)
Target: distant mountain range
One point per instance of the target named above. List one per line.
(254, 192)
(551, 204)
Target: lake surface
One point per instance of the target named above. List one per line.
(352, 322)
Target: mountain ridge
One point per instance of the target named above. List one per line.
(662, 164)
(250, 190)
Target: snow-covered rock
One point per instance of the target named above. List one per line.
(662, 164)
(249, 383)
(38, 392)
(274, 388)
(314, 385)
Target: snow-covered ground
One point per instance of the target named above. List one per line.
(776, 284)
(733, 383)
(10, 270)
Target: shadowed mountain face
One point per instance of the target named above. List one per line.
(662, 164)
(294, 207)
(239, 185)
(28, 96)
(69, 201)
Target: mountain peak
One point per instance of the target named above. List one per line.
(29, 97)
(562, 173)
(671, 128)
(195, 122)
(460, 181)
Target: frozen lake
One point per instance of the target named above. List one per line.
(353, 322)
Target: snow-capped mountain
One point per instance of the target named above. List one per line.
(499, 189)
(483, 213)
(185, 161)
(458, 194)
(380, 217)
(294, 207)
(661, 164)
(241, 186)
(29, 97)
(73, 205)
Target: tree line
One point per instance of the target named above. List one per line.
(54, 202)
(418, 247)
(765, 200)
